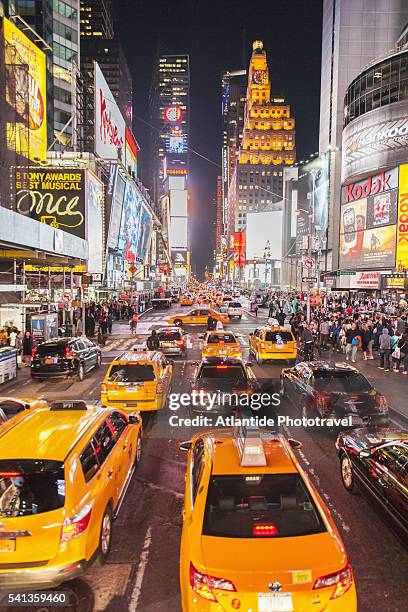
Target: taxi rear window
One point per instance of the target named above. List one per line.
(169, 336)
(260, 505)
(233, 374)
(132, 372)
(214, 339)
(52, 348)
(276, 337)
(29, 486)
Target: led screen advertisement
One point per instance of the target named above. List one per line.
(129, 231)
(264, 235)
(402, 225)
(368, 228)
(110, 128)
(145, 232)
(239, 248)
(94, 190)
(52, 196)
(116, 211)
(25, 68)
(178, 202)
(313, 197)
(178, 232)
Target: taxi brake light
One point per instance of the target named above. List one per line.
(265, 530)
(34, 352)
(203, 584)
(104, 388)
(68, 352)
(10, 474)
(75, 526)
(221, 367)
(341, 580)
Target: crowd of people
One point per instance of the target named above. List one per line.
(22, 343)
(370, 327)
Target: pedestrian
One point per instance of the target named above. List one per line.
(384, 345)
(79, 327)
(366, 341)
(395, 350)
(110, 323)
(256, 309)
(102, 330)
(352, 342)
(28, 347)
(133, 323)
(153, 342)
(210, 322)
(403, 346)
(324, 333)
(12, 337)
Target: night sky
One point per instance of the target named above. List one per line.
(218, 35)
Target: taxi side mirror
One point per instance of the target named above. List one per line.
(134, 419)
(249, 364)
(251, 334)
(185, 446)
(170, 361)
(295, 443)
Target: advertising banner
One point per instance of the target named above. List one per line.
(94, 223)
(116, 211)
(239, 249)
(368, 217)
(145, 232)
(110, 127)
(52, 196)
(130, 225)
(402, 224)
(25, 68)
(132, 151)
(179, 258)
(264, 235)
(178, 232)
(313, 192)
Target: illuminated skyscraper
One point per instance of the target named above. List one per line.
(267, 146)
(96, 18)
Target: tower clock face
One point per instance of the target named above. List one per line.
(259, 77)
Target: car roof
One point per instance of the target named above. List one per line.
(60, 340)
(225, 458)
(24, 399)
(139, 356)
(222, 361)
(47, 434)
(275, 328)
(169, 328)
(332, 366)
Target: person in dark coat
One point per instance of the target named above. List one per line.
(28, 346)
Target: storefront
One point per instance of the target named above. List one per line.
(394, 286)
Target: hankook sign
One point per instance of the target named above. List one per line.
(378, 139)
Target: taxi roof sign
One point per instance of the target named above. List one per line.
(250, 447)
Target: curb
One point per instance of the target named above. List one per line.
(400, 419)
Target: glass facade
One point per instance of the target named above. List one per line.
(379, 85)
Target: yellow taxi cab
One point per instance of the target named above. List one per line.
(186, 300)
(267, 343)
(220, 344)
(64, 471)
(197, 316)
(256, 534)
(138, 380)
(10, 407)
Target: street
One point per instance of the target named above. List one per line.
(142, 569)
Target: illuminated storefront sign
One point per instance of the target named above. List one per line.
(239, 248)
(52, 196)
(394, 281)
(25, 69)
(373, 185)
(176, 172)
(402, 222)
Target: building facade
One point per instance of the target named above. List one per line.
(354, 33)
(96, 18)
(267, 147)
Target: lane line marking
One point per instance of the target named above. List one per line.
(144, 557)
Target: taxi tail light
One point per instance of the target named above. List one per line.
(202, 584)
(34, 352)
(180, 342)
(265, 530)
(262, 345)
(381, 402)
(341, 581)
(75, 526)
(323, 400)
(68, 352)
(104, 388)
(10, 474)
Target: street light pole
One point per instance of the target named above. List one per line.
(310, 243)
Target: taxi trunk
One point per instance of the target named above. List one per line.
(131, 385)
(253, 584)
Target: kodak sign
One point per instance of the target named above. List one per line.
(402, 223)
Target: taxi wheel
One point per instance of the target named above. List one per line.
(178, 322)
(99, 361)
(81, 372)
(138, 454)
(259, 359)
(347, 475)
(105, 538)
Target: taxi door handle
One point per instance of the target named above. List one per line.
(124, 446)
(110, 473)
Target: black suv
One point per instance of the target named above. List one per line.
(62, 357)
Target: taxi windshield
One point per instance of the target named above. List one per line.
(266, 505)
(29, 486)
(132, 373)
(216, 338)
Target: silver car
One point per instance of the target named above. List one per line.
(172, 341)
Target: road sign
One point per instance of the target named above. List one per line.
(308, 263)
(309, 279)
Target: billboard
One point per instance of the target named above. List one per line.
(313, 198)
(179, 258)
(402, 223)
(368, 223)
(145, 232)
(178, 233)
(130, 224)
(25, 68)
(94, 192)
(110, 128)
(377, 139)
(115, 217)
(239, 249)
(52, 196)
(264, 235)
(132, 151)
(178, 203)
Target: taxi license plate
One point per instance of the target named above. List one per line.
(7, 545)
(131, 389)
(275, 602)
(223, 352)
(49, 360)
